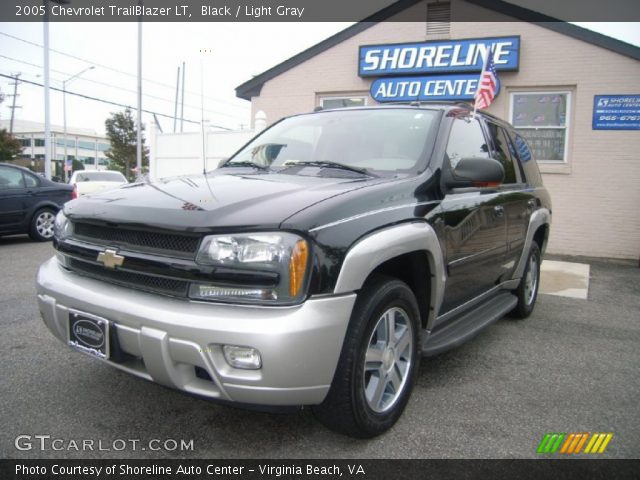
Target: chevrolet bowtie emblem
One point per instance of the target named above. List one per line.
(110, 258)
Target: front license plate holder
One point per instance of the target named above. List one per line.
(89, 334)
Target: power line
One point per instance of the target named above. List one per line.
(107, 67)
(97, 82)
(88, 97)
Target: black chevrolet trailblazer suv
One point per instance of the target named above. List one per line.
(314, 267)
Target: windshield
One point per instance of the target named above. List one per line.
(385, 141)
(100, 177)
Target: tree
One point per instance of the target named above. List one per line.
(76, 165)
(10, 146)
(122, 134)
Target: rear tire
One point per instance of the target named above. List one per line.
(378, 363)
(527, 291)
(41, 229)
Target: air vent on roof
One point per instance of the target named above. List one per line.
(438, 18)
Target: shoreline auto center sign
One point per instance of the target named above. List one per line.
(439, 70)
(616, 112)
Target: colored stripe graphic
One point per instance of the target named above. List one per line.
(550, 442)
(572, 443)
(581, 443)
(598, 443)
(543, 443)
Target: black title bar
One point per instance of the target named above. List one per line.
(311, 10)
(316, 469)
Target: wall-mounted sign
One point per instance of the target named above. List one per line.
(616, 112)
(438, 56)
(435, 87)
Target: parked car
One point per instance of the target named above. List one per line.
(315, 267)
(93, 181)
(29, 202)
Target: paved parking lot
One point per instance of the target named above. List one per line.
(572, 367)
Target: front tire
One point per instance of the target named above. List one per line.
(42, 225)
(379, 361)
(527, 291)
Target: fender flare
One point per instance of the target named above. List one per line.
(376, 248)
(540, 217)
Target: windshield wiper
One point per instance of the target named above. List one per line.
(328, 164)
(244, 164)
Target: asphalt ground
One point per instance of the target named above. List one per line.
(571, 367)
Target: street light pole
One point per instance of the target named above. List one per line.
(47, 121)
(139, 119)
(47, 118)
(64, 115)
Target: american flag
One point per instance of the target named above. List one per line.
(487, 84)
(68, 165)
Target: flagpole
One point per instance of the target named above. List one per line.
(484, 67)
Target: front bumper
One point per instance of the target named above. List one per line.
(165, 339)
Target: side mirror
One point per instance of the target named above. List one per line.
(474, 172)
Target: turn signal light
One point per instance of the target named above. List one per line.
(297, 267)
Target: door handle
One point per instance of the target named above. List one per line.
(498, 210)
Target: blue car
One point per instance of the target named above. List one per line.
(29, 203)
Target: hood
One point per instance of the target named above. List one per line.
(219, 199)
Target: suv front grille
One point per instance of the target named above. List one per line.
(140, 240)
(140, 281)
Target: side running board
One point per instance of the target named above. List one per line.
(469, 324)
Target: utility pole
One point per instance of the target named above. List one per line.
(139, 120)
(13, 106)
(47, 114)
(175, 110)
(182, 108)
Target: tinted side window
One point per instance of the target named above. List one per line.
(466, 140)
(502, 152)
(10, 178)
(531, 171)
(30, 181)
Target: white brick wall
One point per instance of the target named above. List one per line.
(596, 195)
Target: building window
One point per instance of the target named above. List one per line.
(26, 142)
(87, 160)
(438, 18)
(39, 142)
(542, 119)
(86, 145)
(342, 102)
(70, 142)
(103, 147)
(103, 162)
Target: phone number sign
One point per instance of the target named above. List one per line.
(616, 112)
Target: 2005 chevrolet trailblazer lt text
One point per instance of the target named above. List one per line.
(314, 267)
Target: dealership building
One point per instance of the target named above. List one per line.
(82, 144)
(572, 93)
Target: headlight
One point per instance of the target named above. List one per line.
(62, 227)
(284, 254)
